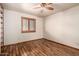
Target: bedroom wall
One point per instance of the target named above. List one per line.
(63, 27)
(12, 28)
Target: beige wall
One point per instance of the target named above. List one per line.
(12, 28)
(63, 27)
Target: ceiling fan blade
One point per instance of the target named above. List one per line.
(36, 7)
(50, 8)
(50, 3)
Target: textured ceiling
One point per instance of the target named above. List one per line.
(29, 8)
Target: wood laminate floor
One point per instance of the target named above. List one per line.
(40, 47)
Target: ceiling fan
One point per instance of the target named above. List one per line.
(45, 5)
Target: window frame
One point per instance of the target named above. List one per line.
(28, 19)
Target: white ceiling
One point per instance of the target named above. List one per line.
(29, 8)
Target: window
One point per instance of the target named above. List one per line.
(28, 25)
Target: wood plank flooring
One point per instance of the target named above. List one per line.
(40, 47)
